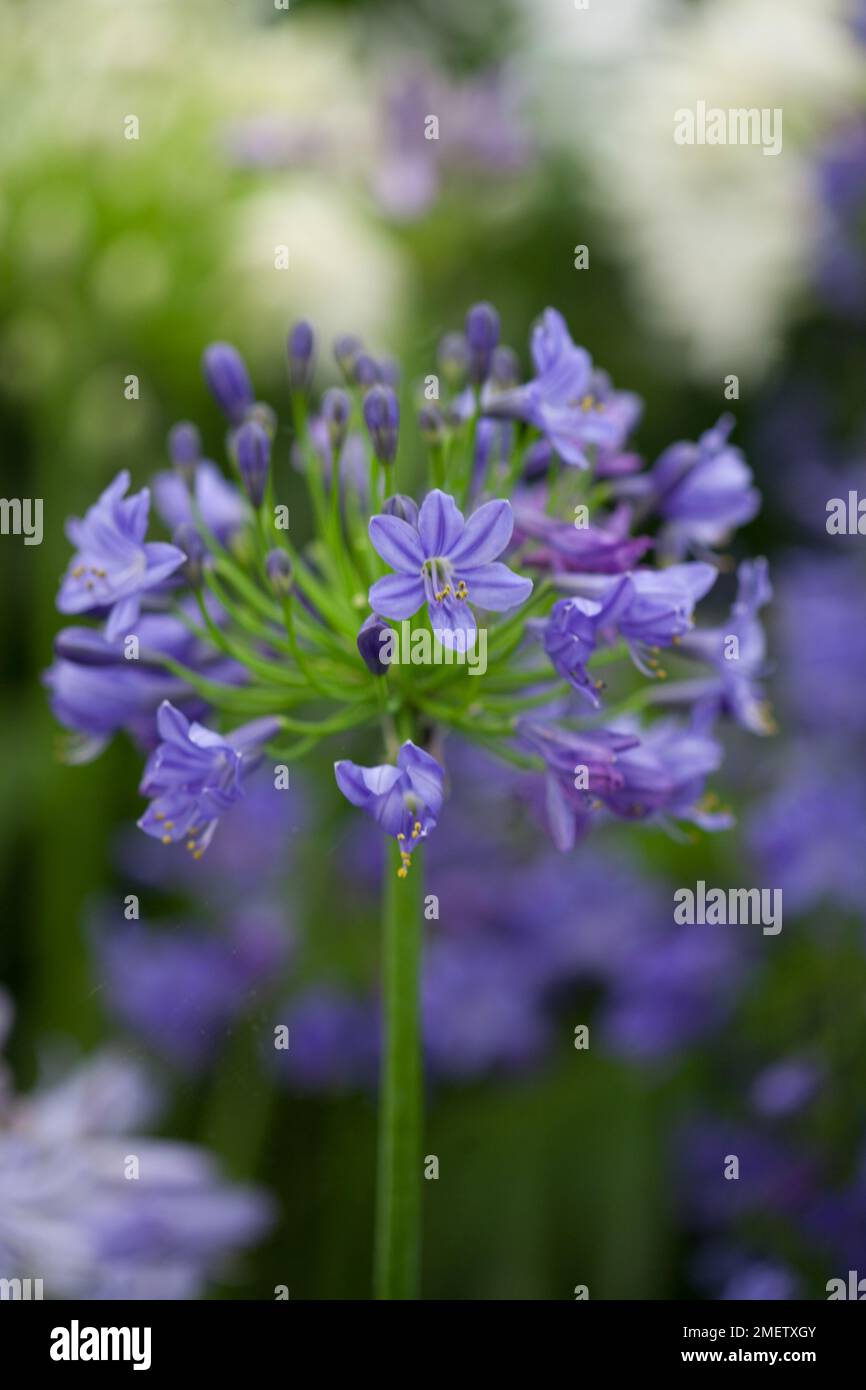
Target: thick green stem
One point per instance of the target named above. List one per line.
(398, 1194)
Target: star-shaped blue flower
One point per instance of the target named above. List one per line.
(447, 563)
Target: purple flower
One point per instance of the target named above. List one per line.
(113, 564)
(664, 778)
(333, 1041)
(701, 491)
(404, 801)
(181, 990)
(582, 765)
(382, 418)
(648, 609)
(228, 380)
(195, 775)
(738, 654)
(605, 548)
(574, 406)
(369, 642)
(785, 1087)
(446, 561)
(222, 507)
(70, 1214)
(336, 413)
(184, 447)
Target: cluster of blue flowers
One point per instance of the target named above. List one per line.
(233, 617)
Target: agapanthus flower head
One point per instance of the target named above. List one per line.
(300, 345)
(382, 418)
(113, 565)
(446, 562)
(404, 801)
(195, 775)
(228, 380)
(253, 453)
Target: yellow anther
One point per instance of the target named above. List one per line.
(403, 872)
(166, 839)
(400, 835)
(169, 825)
(587, 403)
(190, 844)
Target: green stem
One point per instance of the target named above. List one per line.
(398, 1193)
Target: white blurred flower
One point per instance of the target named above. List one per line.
(720, 239)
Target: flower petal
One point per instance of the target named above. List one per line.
(440, 523)
(425, 775)
(397, 542)
(496, 587)
(453, 624)
(397, 595)
(485, 535)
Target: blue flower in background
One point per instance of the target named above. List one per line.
(113, 565)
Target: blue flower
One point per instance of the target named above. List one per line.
(195, 775)
(738, 653)
(404, 801)
(445, 561)
(647, 608)
(113, 565)
(222, 507)
(573, 405)
(702, 491)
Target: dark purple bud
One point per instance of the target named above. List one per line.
(346, 351)
(279, 571)
(431, 424)
(482, 335)
(85, 646)
(228, 380)
(184, 448)
(453, 359)
(366, 370)
(382, 418)
(187, 539)
(300, 349)
(253, 453)
(505, 367)
(372, 636)
(406, 508)
(336, 412)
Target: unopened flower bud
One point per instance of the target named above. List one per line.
(453, 359)
(228, 380)
(371, 639)
(300, 349)
(264, 415)
(482, 335)
(187, 539)
(505, 367)
(346, 351)
(382, 418)
(366, 371)
(184, 448)
(253, 453)
(336, 412)
(279, 570)
(431, 424)
(406, 508)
